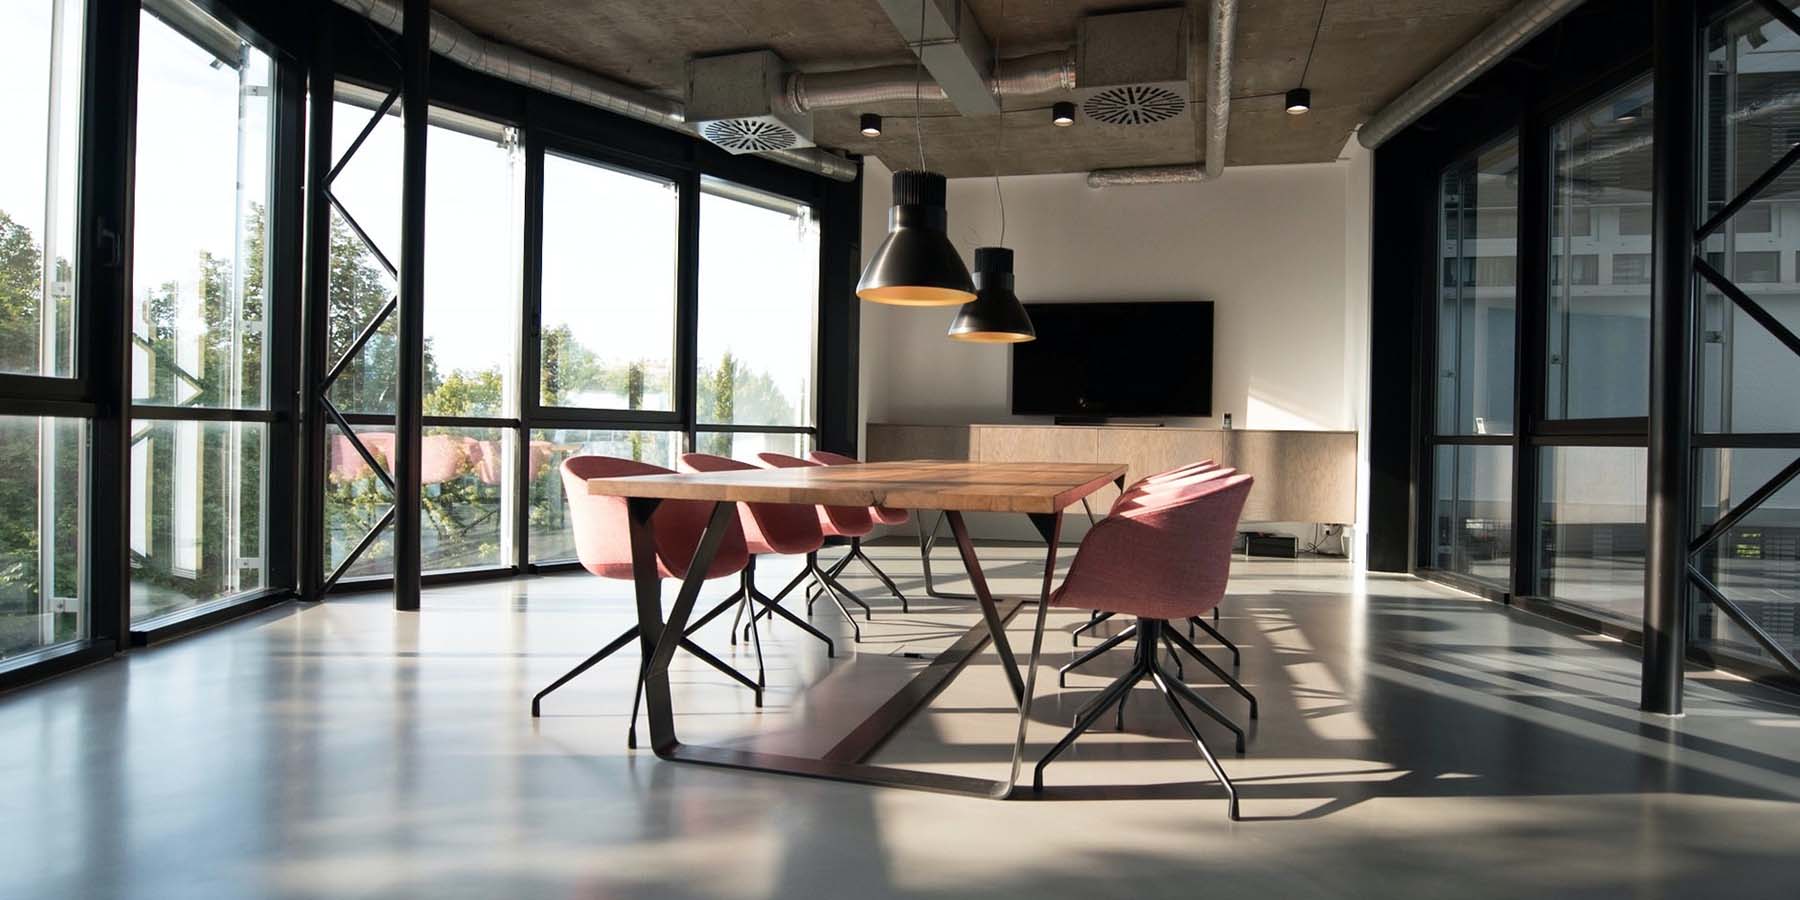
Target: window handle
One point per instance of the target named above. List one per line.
(106, 245)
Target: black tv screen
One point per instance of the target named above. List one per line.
(1115, 360)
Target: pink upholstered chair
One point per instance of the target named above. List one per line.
(880, 515)
(1165, 559)
(1167, 480)
(850, 522)
(603, 545)
(787, 529)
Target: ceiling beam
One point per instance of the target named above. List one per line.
(952, 48)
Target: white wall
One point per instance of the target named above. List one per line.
(1282, 251)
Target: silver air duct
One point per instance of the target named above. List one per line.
(1222, 31)
(453, 41)
(1510, 32)
(1040, 73)
(1223, 34)
(1100, 178)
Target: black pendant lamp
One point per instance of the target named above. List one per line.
(995, 316)
(916, 265)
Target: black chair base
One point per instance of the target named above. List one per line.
(1171, 638)
(618, 643)
(827, 585)
(1150, 634)
(1192, 622)
(747, 595)
(857, 554)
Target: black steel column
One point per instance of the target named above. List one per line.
(1676, 44)
(316, 318)
(285, 443)
(103, 300)
(1529, 368)
(408, 418)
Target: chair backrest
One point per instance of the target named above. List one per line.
(781, 527)
(853, 521)
(1135, 497)
(883, 515)
(602, 525)
(1168, 557)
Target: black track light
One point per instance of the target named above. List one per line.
(1299, 101)
(1062, 114)
(871, 125)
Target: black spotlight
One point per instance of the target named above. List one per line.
(916, 265)
(995, 316)
(871, 125)
(1062, 114)
(1299, 101)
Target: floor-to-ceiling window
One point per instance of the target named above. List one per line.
(1748, 409)
(474, 209)
(1595, 357)
(758, 322)
(199, 313)
(1471, 455)
(43, 601)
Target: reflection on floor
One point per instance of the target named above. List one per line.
(1413, 742)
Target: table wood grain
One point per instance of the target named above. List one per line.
(914, 484)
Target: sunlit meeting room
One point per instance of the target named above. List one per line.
(899, 448)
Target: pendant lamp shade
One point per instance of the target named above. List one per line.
(916, 265)
(995, 316)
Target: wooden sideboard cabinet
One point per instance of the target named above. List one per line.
(1301, 476)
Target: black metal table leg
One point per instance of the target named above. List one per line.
(845, 761)
(989, 614)
(1051, 528)
(659, 639)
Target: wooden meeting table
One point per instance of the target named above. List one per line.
(1040, 491)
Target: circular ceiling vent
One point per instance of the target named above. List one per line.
(1134, 104)
(749, 135)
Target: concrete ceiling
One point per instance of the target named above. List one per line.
(1368, 51)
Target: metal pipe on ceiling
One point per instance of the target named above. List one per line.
(1222, 51)
(472, 51)
(1512, 30)
(1040, 73)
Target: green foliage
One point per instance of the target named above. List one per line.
(21, 276)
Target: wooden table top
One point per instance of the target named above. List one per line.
(917, 484)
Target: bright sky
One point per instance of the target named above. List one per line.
(609, 268)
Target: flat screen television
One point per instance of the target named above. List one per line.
(1115, 360)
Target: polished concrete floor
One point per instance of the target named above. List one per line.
(1414, 742)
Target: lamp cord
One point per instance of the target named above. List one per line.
(918, 77)
(1000, 128)
(1320, 26)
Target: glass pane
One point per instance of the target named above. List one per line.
(355, 500)
(759, 302)
(1746, 375)
(550, 537)
(473, 212)
(1472, 512)
(199, 266)
(744, 446)
(1756, 563)
(197, 513)
(465, 518)
(41, 523)
(465, 478)
(1598, 320)
(40, 69)
(1479, 201)
(609, 245)
(1592, 515)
